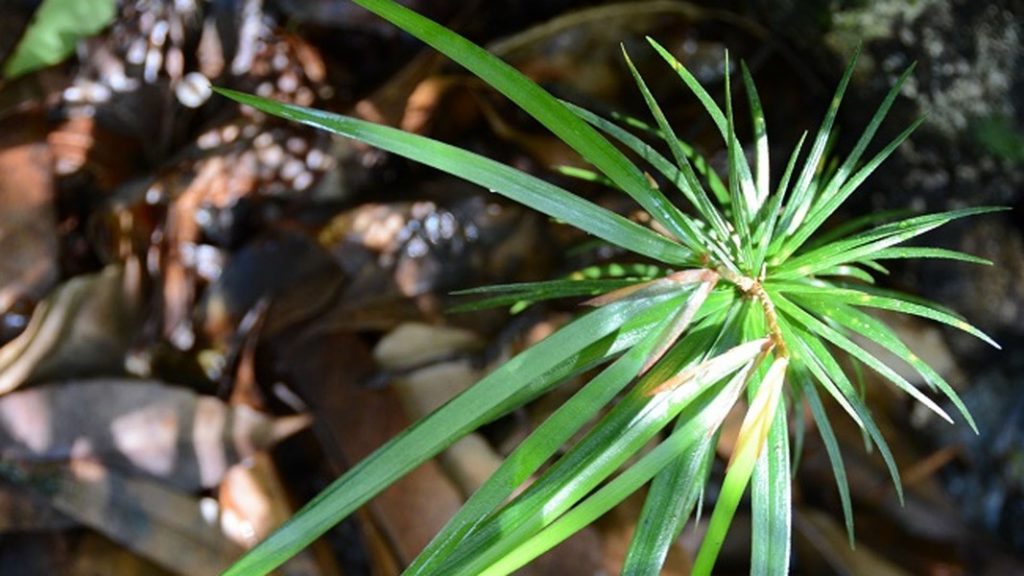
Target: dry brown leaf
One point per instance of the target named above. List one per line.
(83, 328)
(28, 224)
(829, 539)
(253, 503)
(142, 426)
(158, 523)
(326, 370)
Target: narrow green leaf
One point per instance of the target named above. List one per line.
(699, 162)
(924, 252)
(707, 414)
(551, 435)
(801, 200)
(876, 299)
(855, 225)
(848, 271)
(519, 186)
(518, 380)
(768, 242)
(866, 244)
(836, 191)
(835, 337)
(693, 190)
(771, 502)
(539, 104)
(694, 85)
(819, 217)
(673, 495)
(708, 102)
(762, 160)
(531, 292)
(666, 168)
(879, 333)
(835, 456)
(741, 187)
(819, 361)
(831, 377)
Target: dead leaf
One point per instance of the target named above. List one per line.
(83, 328)
(158, 523)
(144, 426)
(23, 511)
(326, 370)
(829, 538)
(95, 555)
(28, 224)
(253, 503)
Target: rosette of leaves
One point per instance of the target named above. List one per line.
(745, 301)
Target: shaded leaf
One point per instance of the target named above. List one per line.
(158, 523)
(146, 427)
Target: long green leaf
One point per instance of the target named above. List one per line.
(768, 241)
(666, 168)
(879, 333)
(538, 103)
(630, 425)
(864, 245)
(517, 185)
(872, 298)
(839, 189)
(519, 379)
(707, 414)
(801, 200)
(835, 337)
(692, 188)
(835, 456)
(709, 104)
(771, 501)
(925, 252)
(508, 294)
(820, 362)
(674, 493)
(648, 153)
(762, 160)
(741, 186)
(542, 444)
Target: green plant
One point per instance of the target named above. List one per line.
(55, 29)
(744, 300)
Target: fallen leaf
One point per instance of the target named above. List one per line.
(829, 538)
(83, 328)
(159, 523)
(253, 503)
(28, 224)
(23, 511)
(184, 439)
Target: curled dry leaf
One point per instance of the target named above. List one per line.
(147, 427)
(84, 327)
